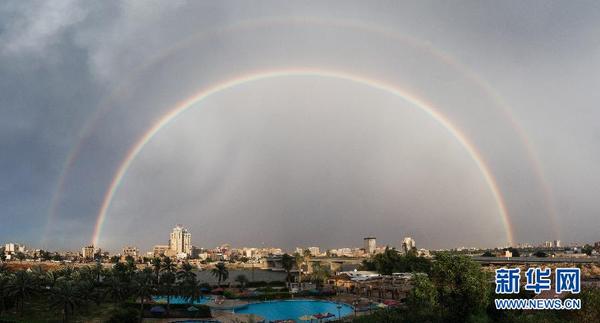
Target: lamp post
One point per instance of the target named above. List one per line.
(339, 308)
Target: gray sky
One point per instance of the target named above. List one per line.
(299, 160)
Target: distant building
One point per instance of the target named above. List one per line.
(180, 241)
(370, 244)
(314, 251)
(548, 244)
(160, 250)
(556, 243)
(131, 251)
(408, 244)
(12, 248)
(88, 252)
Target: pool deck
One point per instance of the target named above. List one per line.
(224, 317)
(226, 305)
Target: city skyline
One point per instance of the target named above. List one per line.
(291, 124)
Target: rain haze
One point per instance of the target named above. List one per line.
(298, 124)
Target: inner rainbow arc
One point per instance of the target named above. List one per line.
(247, 78)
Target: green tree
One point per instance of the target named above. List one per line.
(186, 271)
(168, 265)
(21, 287)
(488, 253)
(299, 260)
(97, 272)
(319, 275)
(45, 255)
(391, 261)
(242, 280)
(540, 254)
(191, 289)
(21, 256)
(143, 288)
(587, 249)
(220, 272)
(116, 287)
(422, 300)
(515, 252)
(590, 306)
(287, 263)
(156, 263)
(167, 287)
(66, 296)
(462, 287)
(4, 288)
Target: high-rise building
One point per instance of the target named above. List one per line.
(87, 252)
(11, 248)
(556, 243)
(180, 241)
(370, 245)
(408, 244)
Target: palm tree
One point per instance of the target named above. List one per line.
(242, 279)
(306, 255)
(130, 265)
(117, 289)
(3, 268)
(97, 271)
(287, 262)
(191, 289)
(168, 265)
(320, 275)
(299, 262)
(4, 287)
(66, 295)
(186, 272)
(51, 278)
(167, 284)
(143, 288)
(157, 265)
(221, 272)
(21, 288)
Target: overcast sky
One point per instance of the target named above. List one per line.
(299, 160)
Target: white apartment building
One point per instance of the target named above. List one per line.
(370, 245)
(180, 241)
(408, 244)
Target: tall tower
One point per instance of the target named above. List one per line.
(408, 244)
(370, 245)
(180, 241)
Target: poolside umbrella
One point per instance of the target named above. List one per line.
(157, 310)
(217, 290)
(390, 302)
(204, 289)
(327, 315)
(307, 318)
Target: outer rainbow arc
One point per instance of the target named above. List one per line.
(184, 105)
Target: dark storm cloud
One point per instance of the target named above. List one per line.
(63, 61)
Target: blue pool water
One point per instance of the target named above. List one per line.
(293, 309)
(180, 300)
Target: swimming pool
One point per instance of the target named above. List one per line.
(180, 300)
(294, 309)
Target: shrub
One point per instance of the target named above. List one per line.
(124, 315)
